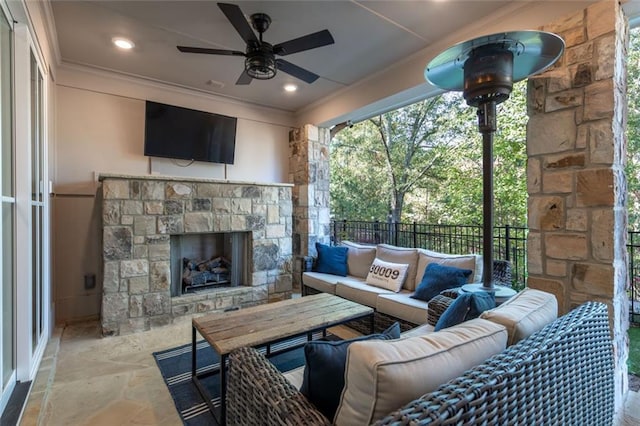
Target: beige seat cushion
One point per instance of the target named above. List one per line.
(401, 305)
(359, 258)
(382, 376)
(360, 292)
(525, 313)
(463, 261)
(419, 331)
(407, 256)
(295, 376)
(325, 283)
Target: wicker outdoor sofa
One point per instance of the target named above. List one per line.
(390, 307)
(560, 375)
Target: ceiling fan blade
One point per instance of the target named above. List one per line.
(208, 51)
(296, 71)
(244, 78)
(239, 22)
(310, 41)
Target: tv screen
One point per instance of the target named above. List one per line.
(186, 134)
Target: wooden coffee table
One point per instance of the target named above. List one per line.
(265, 325)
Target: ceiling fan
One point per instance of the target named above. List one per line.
(260, 57)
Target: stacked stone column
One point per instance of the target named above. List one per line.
(309, 172)
(576, 183)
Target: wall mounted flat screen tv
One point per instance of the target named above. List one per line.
(186, 134)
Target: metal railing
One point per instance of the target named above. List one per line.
(510, 242)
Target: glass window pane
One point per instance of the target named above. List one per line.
(34, 279)
(40, 269)
(35, 125)
(8, 362)
(5, 107)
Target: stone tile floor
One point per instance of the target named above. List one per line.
(85, 379)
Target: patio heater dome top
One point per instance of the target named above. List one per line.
(532, 51)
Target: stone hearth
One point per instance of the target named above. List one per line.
(141, 213)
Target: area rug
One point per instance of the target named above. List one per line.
(175, 366)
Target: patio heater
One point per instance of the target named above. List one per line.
(484, 69)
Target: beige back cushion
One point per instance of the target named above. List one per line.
(382, 376)
(408, 256)
(463, 261)
(359, 258)
(525, 313)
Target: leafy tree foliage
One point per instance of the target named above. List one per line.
(632, 169)
(423, 163)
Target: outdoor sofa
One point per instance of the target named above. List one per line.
(515, 365)
(389, 305)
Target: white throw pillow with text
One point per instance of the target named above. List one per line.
(387, 275)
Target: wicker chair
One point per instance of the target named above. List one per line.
(561, 375)
(502, 273)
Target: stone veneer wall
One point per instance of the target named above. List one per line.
(309, 172)
(577, 189)
(139, 215)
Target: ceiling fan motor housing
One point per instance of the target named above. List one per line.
(260, 22)
(488, 75)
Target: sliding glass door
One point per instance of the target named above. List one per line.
(37, 204)
(7, 201)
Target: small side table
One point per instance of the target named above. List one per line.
(501, 292)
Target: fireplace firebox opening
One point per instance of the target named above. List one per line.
(202, 262)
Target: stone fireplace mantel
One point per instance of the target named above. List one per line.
(141, 213)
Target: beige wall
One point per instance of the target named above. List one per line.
(100, 129)
(77, 250)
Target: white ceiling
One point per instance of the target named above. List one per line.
(370, 37)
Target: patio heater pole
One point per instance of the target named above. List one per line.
(487, 126)
(484, 69)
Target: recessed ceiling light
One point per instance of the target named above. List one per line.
(290, 87)
(123, 43)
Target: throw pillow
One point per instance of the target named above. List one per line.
(359, 259)
(465, 307)
(440, 277)
(331, 260)
(325, 363)
(480, 302)
(387, 275)
(455, 313)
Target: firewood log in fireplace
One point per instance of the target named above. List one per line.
(205, 272)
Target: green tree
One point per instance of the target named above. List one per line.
(378, 162)
(632, 168)
(423, 163)
(358, 190)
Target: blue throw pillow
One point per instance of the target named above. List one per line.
(325, 363)
(331, 260)
(480, 302)
(455, 313)
(438, 278)
(465, 307)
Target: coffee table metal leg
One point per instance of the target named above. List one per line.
(223, 390)
(193, 351)
(201, 389)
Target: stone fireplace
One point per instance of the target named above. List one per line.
(152, 223)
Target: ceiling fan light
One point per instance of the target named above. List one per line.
(260, 67)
